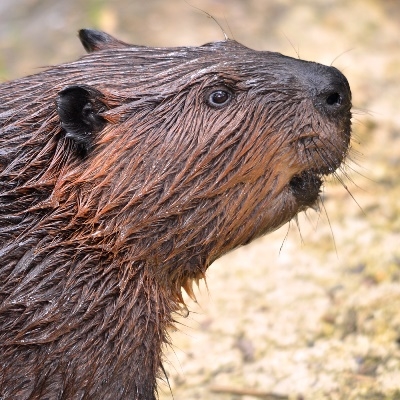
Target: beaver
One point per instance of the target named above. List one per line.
(124, 175)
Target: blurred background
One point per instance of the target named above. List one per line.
(311, 311)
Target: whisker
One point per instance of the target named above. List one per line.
(348, 191)
(297, 51)
(330, 226)
(364, 111)
(296, 220)
(340, 55)
(284, 239)
(324, 155)
(343, 171)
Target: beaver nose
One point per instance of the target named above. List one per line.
(332, 92)
(329, 89)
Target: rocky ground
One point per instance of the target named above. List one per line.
(307, 315)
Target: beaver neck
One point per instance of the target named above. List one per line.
(109, 333)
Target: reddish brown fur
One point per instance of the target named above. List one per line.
(96, 244)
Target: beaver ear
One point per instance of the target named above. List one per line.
(78, 107)
(93, 40)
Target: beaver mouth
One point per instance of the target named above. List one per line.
(306, 187)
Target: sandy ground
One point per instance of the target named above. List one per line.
(309, 315)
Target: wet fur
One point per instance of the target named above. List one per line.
(104, 220)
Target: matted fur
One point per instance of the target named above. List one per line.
(96, 247)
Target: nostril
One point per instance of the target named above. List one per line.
(334, 99)
(329, 89)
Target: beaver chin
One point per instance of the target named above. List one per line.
(306, 188)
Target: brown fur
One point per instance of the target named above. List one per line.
(102, 223)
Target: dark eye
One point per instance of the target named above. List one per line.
(219, 98)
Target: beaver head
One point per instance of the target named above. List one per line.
(123, 176)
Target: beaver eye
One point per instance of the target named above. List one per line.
(219, 98)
